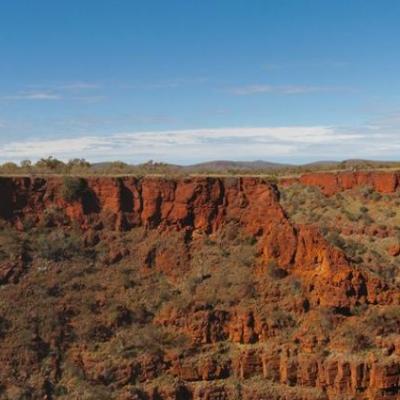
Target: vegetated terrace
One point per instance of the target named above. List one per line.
(53, 166)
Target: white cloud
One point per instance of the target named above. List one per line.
(309, 64)
(165, 84)
(48, 96)
(193, 145)
(36, 96)
(87, 99)
(251, 89)
(80, 85)
(283, 90)
(64, 86)
(67, 91)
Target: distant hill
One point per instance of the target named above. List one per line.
(220, 165)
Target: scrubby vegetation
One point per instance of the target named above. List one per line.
(101, 311)
(73, 188)
(81, 167)
(58, 246)
(115, 306)
(361, 222)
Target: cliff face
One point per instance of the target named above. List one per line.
(260, 335)
(331, 183)
(200, 205)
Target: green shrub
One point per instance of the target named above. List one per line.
(50, 165)
(390, 214)
(366, 192)
(274, 271)
(376, 196)
(335, 238)
(209, 242)
(53, 216)
(9, 168)
(367, 219)
(354, 248)
(281, 319)
(384, 320)
(12, 244)
(4, 327)
(357, 342)
(73, 188)
(57, 246)
(352, 217)
(153, 339)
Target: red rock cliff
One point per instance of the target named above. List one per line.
(331, 183)
(202, 206)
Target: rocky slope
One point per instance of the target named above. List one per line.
(196, 288)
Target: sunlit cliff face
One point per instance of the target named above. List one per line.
(199, 288)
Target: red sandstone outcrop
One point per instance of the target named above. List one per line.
(331, 183)
(394, 250)
(310, 376)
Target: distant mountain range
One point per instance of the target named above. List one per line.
(260, 164)
(227, 166)
(224, 165)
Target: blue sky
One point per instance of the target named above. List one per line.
(188, 81)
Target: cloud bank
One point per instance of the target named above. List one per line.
(288, 144)
(284, 90)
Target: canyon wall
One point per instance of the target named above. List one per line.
(202, 206)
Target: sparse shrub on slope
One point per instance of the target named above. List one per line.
(274, 271)
(12, 244)
(73, 188)
(58, 246)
